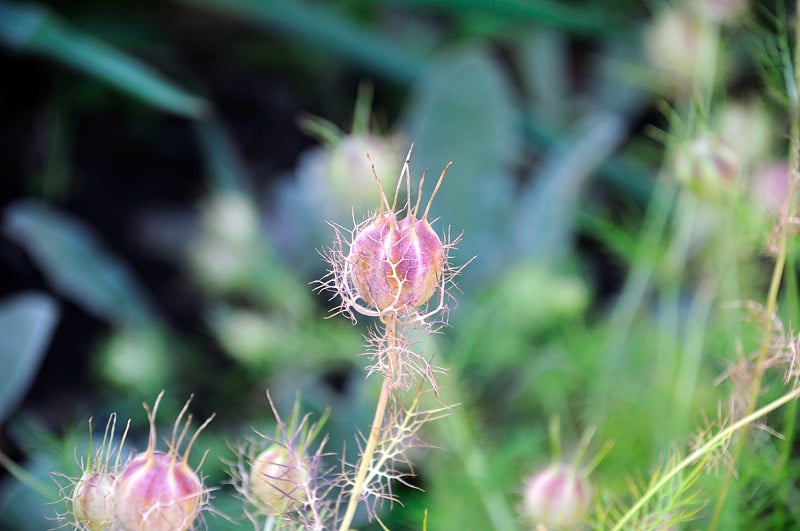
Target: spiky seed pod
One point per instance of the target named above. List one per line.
(91, 496)
(396, 261)
(93, 501)
(769, 185)
(708, 166)
(158, 491)
(396, 264)
(276, 482)
(677, 45)
(721, 11)
(557, 497)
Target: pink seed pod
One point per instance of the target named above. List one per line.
(674, 42)
(91, 497)
(276, 482)
(93, 501)
(709, 167)
(396, 260)
(557, 497)
(158, 491)
(722, 11)
(396, 264)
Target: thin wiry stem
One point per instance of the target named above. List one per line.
(375, 430)
(772, 296)
(702, 451)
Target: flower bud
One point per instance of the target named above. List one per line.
(721, 11)
(396, 264)
(158, 491)
(224, 255)
(395, 261)
(93, 501)
(769, 185)
(707, 166)
(748, 127)
(276, 481)
(557, 497)
(348, 174)
(678, 46)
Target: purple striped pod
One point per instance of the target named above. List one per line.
(396, 264)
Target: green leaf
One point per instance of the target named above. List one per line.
(27, 322)
(590, 19)
(545, 214)
(224, 167)
(462, 110)
(76, 264)
(33, 28)
(323, 27)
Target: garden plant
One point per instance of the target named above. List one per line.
(388, 264)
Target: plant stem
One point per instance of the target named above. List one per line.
(375, 431)
(712, 443)
(777, 274)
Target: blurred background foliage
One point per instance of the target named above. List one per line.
(170, 169)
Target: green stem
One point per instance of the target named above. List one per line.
(670, 310)
(26, 477)
(705, 449)
(772, 297)
(755, 389)
(375, 432)
(633, 293)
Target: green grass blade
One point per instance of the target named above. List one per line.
(324, 28)
(34, 29)
(589, 19)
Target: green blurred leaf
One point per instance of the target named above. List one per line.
(545, 221)
(224, 166)
(76, 264)
(139, 360)
(22, 508)
(27, 322)
(462, 110)
(589, 18)
(33, 28)
(323, 28)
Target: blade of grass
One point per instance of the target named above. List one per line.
(325, 29)
(34, 29)
(586, 19)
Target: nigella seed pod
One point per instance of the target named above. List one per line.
(91, 496)
(397, 261)
(276, 483)
(396, 264)
(708, 167)
(677, 46)
(158, 491)
(93, 501)
(557, 497)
